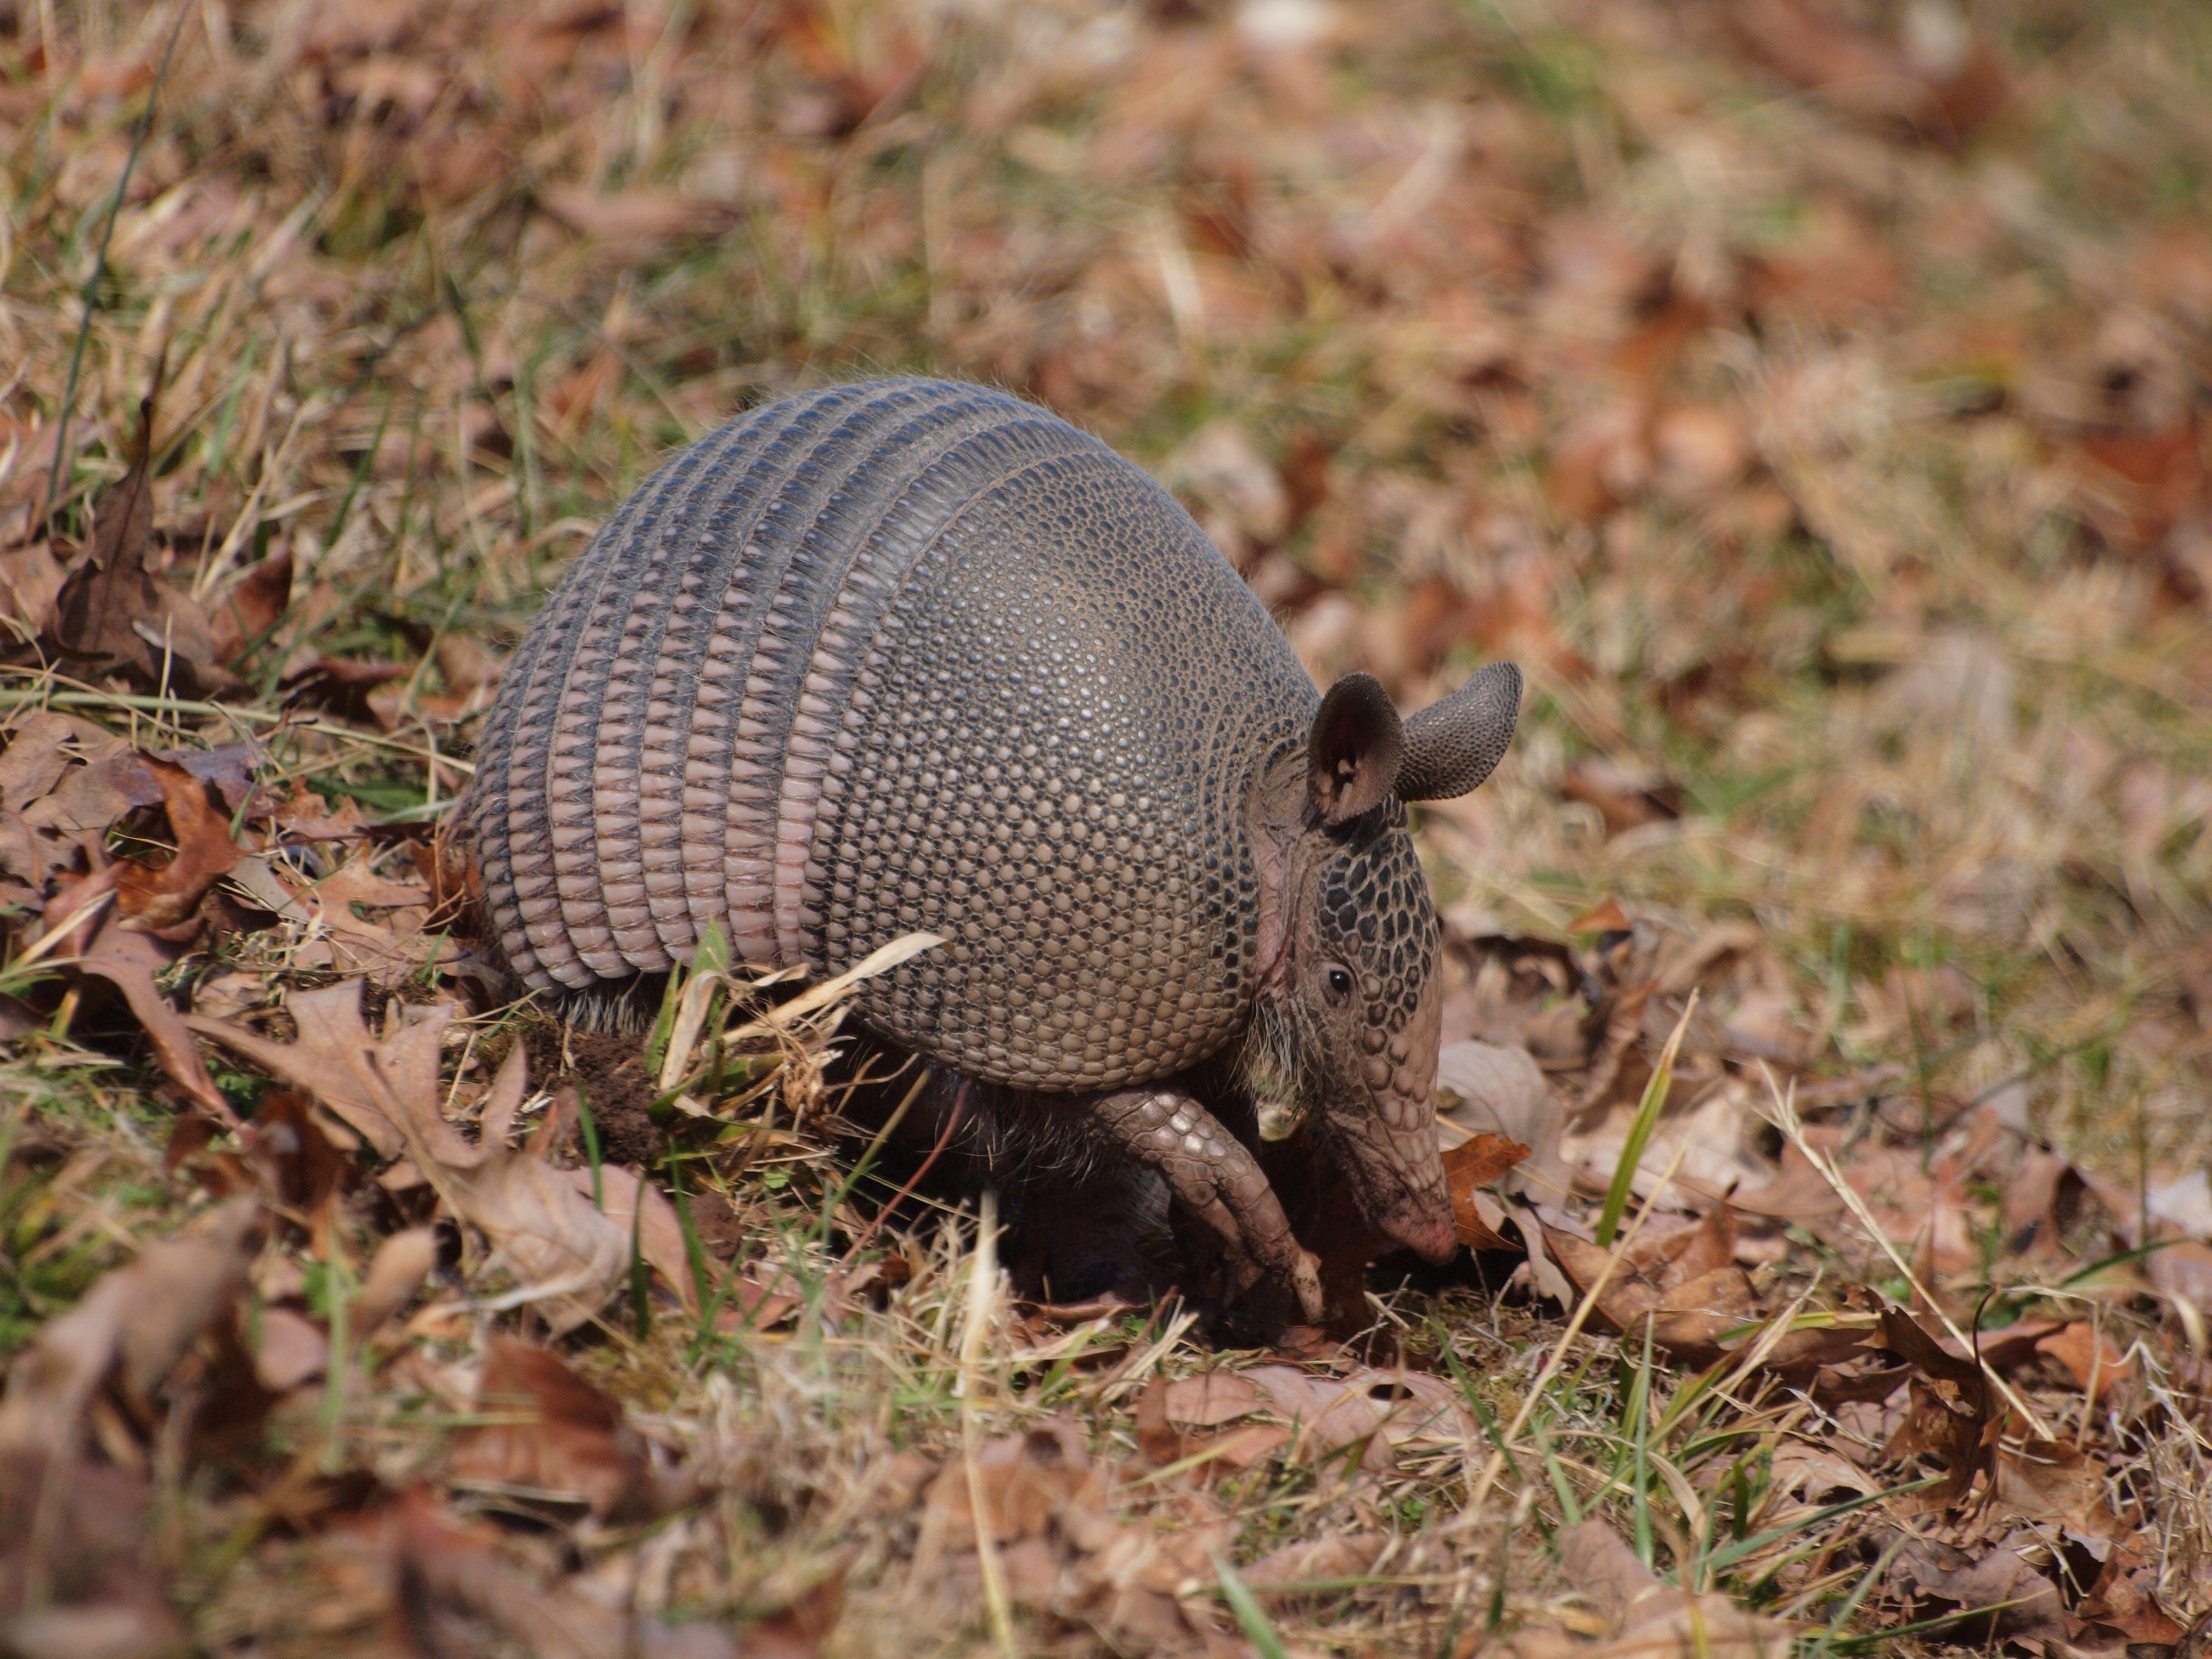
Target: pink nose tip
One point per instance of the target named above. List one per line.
(1429, 1236)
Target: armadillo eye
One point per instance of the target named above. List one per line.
(1340, 983)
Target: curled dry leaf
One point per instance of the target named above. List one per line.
(551, 1431)
(1475, 1163)
(1953, 1416)
(1686, 1286)
(128, 962)
(395, 1273)
(149, 898)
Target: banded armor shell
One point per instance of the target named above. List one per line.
(902, 656)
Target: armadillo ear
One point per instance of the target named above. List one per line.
(1451, 745)
(1355, 749)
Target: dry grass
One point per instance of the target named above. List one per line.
(1812, 398)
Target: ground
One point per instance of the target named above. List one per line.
(1810, 395)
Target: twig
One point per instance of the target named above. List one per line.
(982, 1281)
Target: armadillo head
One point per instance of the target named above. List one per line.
(1346, 1035)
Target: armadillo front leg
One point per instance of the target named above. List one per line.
(1210, 1170)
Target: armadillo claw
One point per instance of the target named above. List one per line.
(1218, 1180)
(1305, 1281)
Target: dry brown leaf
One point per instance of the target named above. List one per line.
(78, 1528)
(1316, 1561)
(150, 899)
(568, 1256)
(1939, 96)
(114, 612)
(555, 1433)
(1475, 1163)
(91, 798)
(1380, 1411)
(660, 1235)
(1172, 1416)
(133, 1327)
(37, 755)
(1210, 1399)
(2022, 1602)
(256, 602)
(1045, 1505)
(289, 1349)
(128, 962)
(1953, 1417)
(304, 1170)
(1689, 1304)
(1817, 1475)
(333, 1058)
(395, 1273)
(2047, 1480)
(636, 220)
(2091, 1358)
(1647, 1619)
(450, 1585)
(31, 579)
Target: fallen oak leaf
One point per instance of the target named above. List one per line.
(569, 1256)
(334, 1059)
(1686, 1318)
(2018, 1602)
(2049, 1481)
(660, 1235)
(148, 898)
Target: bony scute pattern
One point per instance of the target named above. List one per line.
(947, 664)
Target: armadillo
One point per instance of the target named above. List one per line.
(914, 656)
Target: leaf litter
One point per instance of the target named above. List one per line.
(1806, 393)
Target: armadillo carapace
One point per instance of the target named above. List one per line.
(910, 656)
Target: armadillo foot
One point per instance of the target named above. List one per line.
(1210, 1170)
